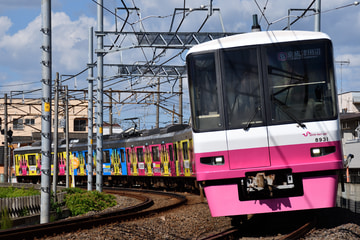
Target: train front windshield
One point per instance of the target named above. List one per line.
(262, 85)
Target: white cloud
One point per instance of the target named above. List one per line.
(5, 24)
(21, 53)
(70, 41)
(18, 49)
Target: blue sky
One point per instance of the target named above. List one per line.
(20, 37)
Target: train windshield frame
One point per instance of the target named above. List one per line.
(263, 85)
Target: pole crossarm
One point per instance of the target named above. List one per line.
(177, 40)
(149, 70)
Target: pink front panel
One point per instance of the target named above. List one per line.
(319, 192)
(249, 158)
(299, 158)
(204, 168)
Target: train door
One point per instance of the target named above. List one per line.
(62, 163)
(170, 153)
(38, 164)
(94, 162)
(115, 165)
(128, 162)
(165, 160)
(185, 149)
(86, 162)
(75, 163)
(23, 166)
(82, 164)
(52, 163)
(155, 154)
(178, 160)
(31, 164)
(148, 161)
(246, 137)
(141, 160)
(191, 157)
(122, 156)
(106, 162)
(132, 161)
(17, 164)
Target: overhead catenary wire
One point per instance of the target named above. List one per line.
(301, 16)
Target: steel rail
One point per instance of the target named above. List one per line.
(87, 222)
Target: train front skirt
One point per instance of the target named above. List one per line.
(318, 192)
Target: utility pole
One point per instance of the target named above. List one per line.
(317, 15)
(46, 112)
(6, 166)
(56, 126)
(90, 110)
(100, 92)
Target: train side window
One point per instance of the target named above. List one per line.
(175, 152)
(185, 150)
(171, 153)
(140, 154)
(155, 153)
(204, 92)
(122, 155)
(106, 156)
(128, 155)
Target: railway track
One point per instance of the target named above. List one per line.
(241, 232)
(86, 222)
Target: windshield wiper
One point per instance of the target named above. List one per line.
(257, 109)
(288, 113)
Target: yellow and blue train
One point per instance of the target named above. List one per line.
(156, 156)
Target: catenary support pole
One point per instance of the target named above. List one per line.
(317, 16)
(99, 104)
(56, 121)
(46, 112)
(180, 101)
(157, 124)
(69, 164)
(6, 147)
(110, 113)
(90, 110)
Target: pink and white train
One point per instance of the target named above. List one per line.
(265, 122)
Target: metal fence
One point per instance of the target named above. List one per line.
(350, 198)
(25, 206)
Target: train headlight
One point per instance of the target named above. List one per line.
(218, 160)
(315, 152)
(322, 151)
